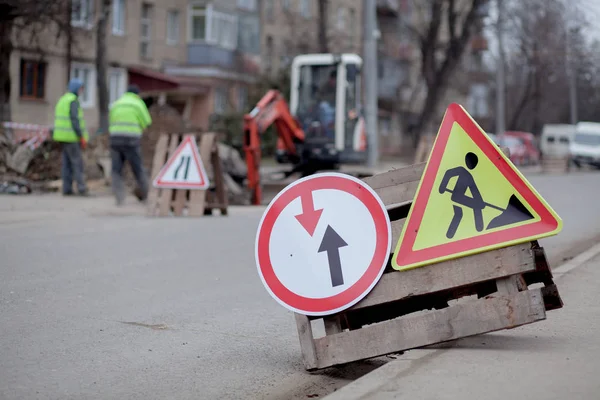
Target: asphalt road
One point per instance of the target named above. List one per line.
(98, 304)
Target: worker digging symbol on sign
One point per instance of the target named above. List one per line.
(514, 212)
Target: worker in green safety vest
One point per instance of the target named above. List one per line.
(128, 118)
(70, 131)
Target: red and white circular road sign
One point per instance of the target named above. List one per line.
(323, 243)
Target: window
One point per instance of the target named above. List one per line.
(242, 98)
(211, 26)
(247, 4)
(269, 54)
(550, 139)
(223, 30)
(249, 34)
(118, 17)
(220, 100)
(146, 31)
(116, 84)
(269, 6)
(33, 79)
(87, 74)
(341, 19)
(198, 24)
(81, 13)
(305, 8)
(172, 27)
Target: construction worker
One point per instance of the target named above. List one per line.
(70, 131)
(127, 120)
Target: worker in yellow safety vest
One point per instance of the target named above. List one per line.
(70, 131)
(127, 120)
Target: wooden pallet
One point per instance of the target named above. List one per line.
(432, 304)
(194, 203)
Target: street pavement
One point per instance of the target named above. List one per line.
(100, 303)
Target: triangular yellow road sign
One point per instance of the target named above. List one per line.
(471, 199)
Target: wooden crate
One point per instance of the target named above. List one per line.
(467, 296)
(178, 202)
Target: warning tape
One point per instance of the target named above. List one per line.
(32, 135)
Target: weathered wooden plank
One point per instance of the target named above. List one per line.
(332, 324)
(396, 232)
(450, 274)
(157, 162)
(179, 202)
(220, 188)
(507, 285)
(198, 197)
(307, 343)
(552, 299)
(164, 206)
(397, 186)
(180, 195)
(412, 331)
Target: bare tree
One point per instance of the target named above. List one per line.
(323, 23)
(29, 21)
(101, 64)
(537, 78)
(442, 43)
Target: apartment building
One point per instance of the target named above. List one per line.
(290, 27)
(222, 53)
(185, 52)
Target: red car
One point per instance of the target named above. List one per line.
(531, 154)
(515, 146)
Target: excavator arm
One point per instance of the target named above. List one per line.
(271, 109)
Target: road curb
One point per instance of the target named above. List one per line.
(576, 261)
(366, 386)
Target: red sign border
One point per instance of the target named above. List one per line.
(353, 294)
(546, 224)
(204, 184)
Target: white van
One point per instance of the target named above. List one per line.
(556, 139)
(585, 146)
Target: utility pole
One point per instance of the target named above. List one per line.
(500, 84)
(370, 73)
(572, 78)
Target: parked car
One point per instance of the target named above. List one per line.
(532, 153)
(517, 148)
(556, 139)
(585, 147)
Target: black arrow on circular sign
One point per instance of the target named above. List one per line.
(331, 243)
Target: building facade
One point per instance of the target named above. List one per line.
(291, 27)
(188, 53)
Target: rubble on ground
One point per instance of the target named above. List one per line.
(43, 164)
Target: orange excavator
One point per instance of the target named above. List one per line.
(323, 126)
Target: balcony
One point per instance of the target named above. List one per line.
(207, 54)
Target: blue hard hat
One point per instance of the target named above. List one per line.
(74, 85)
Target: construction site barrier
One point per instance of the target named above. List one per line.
(32, 135)
(188, 202)
(485, 292)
